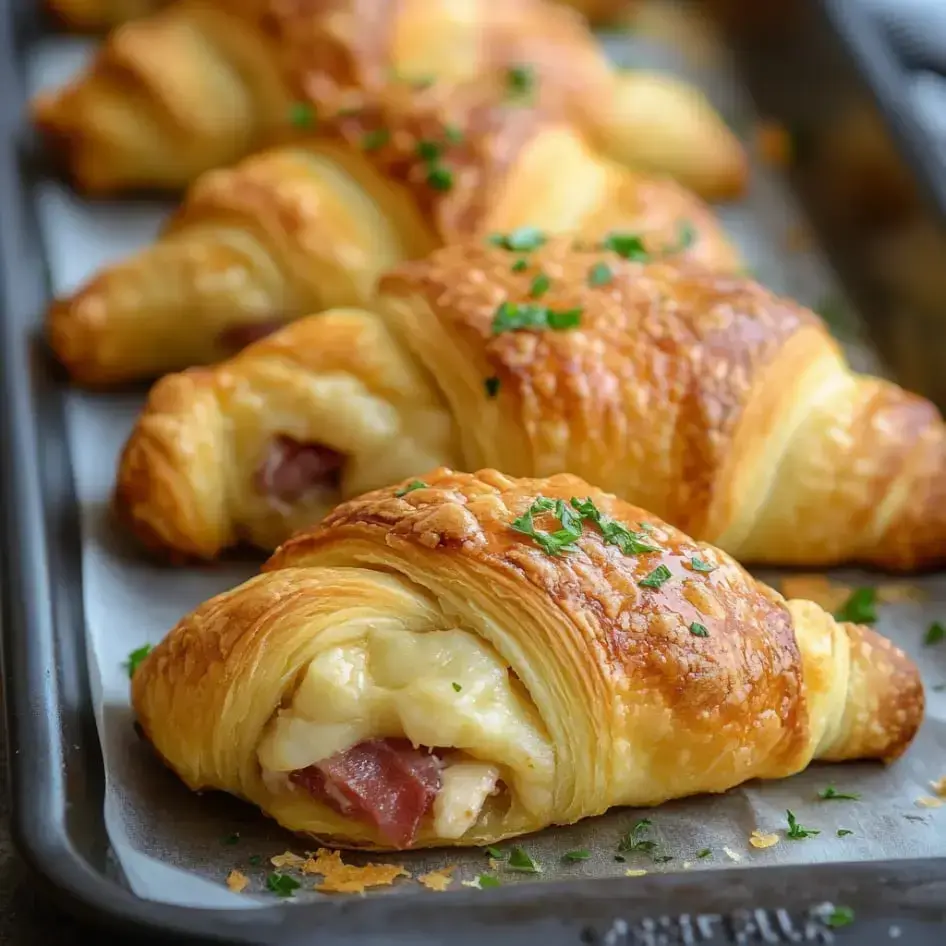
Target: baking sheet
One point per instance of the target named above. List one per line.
(178, 848)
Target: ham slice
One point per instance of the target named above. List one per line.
(387, 782)
(289, 468)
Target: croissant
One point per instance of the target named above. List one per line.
(86, 15)
(727, 410)
(202, 83)
(485, 656)
(313, 225)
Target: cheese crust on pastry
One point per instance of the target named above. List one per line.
(202, 83)
(421, 670)
(313, 225)
(727, 410)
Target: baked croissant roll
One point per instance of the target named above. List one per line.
(727, 410)
(313, 225)
(485, 656)
(203, 83)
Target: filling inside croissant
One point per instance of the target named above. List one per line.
(411, 733)
(291, 470)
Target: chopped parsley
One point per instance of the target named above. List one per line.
(844, 832)
(255, 860)
(795, 831)
(630, 543)
(540, 286)
(600, 275)
(492, 386)
(520, 860)
(512, 316)
(232, 838)
(373, 140)
(627, 245)
(136, 657)
(698, 630)
(579, 855)
(453, 134)
(935, 634)
(706, 852)
(521, 240)
(635, 840)
(860, 607)
(699, 565)
(282, 884)
(839, 916)
(520, 266)
(429, 150)
(656, 578)
(686, 237)
(496, 853)
(553, 543)
(414, 484)
(440, 178)
(301, 115)
(832, 794)
(484, 881)
(520, 80)
(456, 687)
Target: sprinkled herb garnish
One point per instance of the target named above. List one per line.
(832, 794)
(540, 286)
(232, 838)
(579, 855)
(839, 916)
(520, 80)
(373, 140)
(628, 245)
(496, 853)
(453, 134)
(282, 884)
(520, 860)
(698, 630)
(521, 240)
(553, 543)
(635, 840)
(699, 565)
(935, 634)
(706, 852)
(414, 484)
(492, 386)
(860, 607)
(600, 275)
(795, 831)
(686, 237)
(255, 860)
(844, 832)
(456, 687)
(429, 150)
(440, 178)
(485, 881)
(136, 657)
(630, 543)
(512, 316)
(656, 578)
(301, 115)
(520, 265)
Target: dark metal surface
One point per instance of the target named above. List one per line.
(56, 776)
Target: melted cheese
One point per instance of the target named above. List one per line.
(443, 689)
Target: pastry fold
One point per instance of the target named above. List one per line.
(725, 409)
(313, 225)
(423, 669)
(202, 83)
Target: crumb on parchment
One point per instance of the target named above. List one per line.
(761, 840)
(338, 877)
(634, 873)
(288, 859)
(927, 801)
(939, 787)
(237, 882)
(438, 880)
(731, 854)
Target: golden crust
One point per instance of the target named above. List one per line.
(646, 693)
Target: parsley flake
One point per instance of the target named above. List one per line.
(699, 565)
(627, 245)
(520, 860)
(600, 275)
(832, 794)
(520, 266)
(255, 860)
(935, 634)
(521, 240)
(839, 916)
(485, 881)
(232, 838)
(540, 286)
(698, 630)
(579, 855)
(860, 607)
(706, 852)
(136, 657)
(374, 140)
(656, 578)
(414, 484)
(440, 178)
(453, 134)
(429, 150)
(520, 80)
(553, 543)
(456, 687)
(844, 832)
(496, 853)
(635, 840)
(686, 237)
(492, 386)
(795, 831)
(511, 317)
(282, 884)
(630, 543)
(301, 115)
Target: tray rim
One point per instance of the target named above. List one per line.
(50, 724)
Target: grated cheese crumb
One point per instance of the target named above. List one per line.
(287, 860)
(634, 873)
(338, 877)
(687, 865)
(731, 854)
(492, 863)
(438, 880)
(237, 882)
(939, 787)
(929, 802)
(760, 840)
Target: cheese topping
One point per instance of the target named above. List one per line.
(442, 689)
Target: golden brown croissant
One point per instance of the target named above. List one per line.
(101, 14)
(728, 411)
(483, 656)
(312, 226)
(204, 82)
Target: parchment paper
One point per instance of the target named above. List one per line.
(178, 847)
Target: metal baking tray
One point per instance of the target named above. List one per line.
(785, 50)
